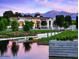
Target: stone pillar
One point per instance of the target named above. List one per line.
(48, 24)
(52, 22)
(34, 26)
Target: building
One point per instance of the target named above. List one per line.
(39, 22)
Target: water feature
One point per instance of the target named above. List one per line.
(23, 50)
(19, 49)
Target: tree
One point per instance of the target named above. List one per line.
(8, 14)
(0, 18)
(17, 14)
(77, 22)
(59, 20)
(8, 21)
(2, 25)
(31, 24)
(68, 20)
(66, 25)
(5, 21)
(37, 14)
(73, 22)
(28, 25)
(14, 25)
(28, 15)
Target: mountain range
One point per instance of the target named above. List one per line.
(53, 14)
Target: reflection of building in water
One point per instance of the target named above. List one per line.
(27, 46)
(14, 48)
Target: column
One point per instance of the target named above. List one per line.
(51, 24)
(34, 26)
(48, 24)
(52, 21)
(40, 24)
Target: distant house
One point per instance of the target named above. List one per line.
(72, 27)
(39, 22)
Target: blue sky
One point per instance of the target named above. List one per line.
(42, 6)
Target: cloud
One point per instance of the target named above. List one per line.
(17, 8)
(61, 5)
(31, 6)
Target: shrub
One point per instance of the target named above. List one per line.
(2, 25)
(14, 25)
(28, 25)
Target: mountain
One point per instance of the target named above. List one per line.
(53, 13)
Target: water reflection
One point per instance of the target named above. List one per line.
(22, 50)
(14, 48)
(27, 46)
(3, 47)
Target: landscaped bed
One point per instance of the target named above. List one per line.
(65, 35)
(20, 33)
(41, 31)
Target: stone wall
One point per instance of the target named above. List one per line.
(63, 48)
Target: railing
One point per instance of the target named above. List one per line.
(18, 38)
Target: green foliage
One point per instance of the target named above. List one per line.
(8, 14)
(65, 35)
(7, 34)
(28, 25)
(68, 20)
(34, 32)
(14, 25)
(17, 14)
(5, 21)
(42, 31)
(73, 22)
(66, 25)
(59, 20)
(19, 33)
(8, 20)
(31, 24)
(62, 21)
(43, 23)
(2, 25)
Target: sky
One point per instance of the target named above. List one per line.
(42, 6)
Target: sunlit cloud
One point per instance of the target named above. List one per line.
(42, 6)
(59, 6)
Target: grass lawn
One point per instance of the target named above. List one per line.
(7, 33)
(65, 35)
(32, 32)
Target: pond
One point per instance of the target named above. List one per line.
(23, 50)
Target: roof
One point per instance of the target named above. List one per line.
(41, 18)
